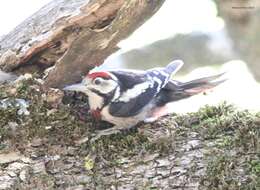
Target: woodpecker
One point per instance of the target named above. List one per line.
(126, 97)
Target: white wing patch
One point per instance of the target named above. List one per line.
(159, 82)
(134, 92)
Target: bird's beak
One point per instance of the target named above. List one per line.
(76, 87)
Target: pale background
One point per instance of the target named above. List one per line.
(175, 17)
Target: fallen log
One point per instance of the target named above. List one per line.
(71, 37)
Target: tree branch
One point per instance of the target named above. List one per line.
(73, 37)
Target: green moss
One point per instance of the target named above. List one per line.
(225, 141)
(119, 145)
(42, 115)
(231, 172)
(254, 166)
(236, 135)
(233, 158)
(221, 174)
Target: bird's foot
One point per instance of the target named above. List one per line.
(111, 131)
(105, 132)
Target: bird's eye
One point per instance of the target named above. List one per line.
(97, 81)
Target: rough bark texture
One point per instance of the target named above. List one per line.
(47, 146)
(72, 35)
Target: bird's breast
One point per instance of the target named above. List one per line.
(96, 114)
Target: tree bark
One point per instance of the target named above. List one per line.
(73, 36)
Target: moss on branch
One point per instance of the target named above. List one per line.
(214, 148)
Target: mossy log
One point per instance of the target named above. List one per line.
(49, 148)
(73, 36)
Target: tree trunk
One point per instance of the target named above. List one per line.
(73, 36)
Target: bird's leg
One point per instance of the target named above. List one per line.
(110, 131)
(105, 132)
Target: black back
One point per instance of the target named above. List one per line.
(156, 78)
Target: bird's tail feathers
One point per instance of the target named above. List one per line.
(180, 90)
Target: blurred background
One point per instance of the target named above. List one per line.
(210, 36)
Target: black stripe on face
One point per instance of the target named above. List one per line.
(107, 97)
(97, 92)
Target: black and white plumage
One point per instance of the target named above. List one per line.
(126, 97)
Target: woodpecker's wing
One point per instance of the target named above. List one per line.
(176, 90)
(138, 89)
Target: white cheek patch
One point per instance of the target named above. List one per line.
(106, 86)
(95, 101)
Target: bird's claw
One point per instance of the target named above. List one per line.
(102, 133)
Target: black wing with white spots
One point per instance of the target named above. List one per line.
(138, 89)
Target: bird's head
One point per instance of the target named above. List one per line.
(96, 82)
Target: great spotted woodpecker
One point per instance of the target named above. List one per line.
(126, 97)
